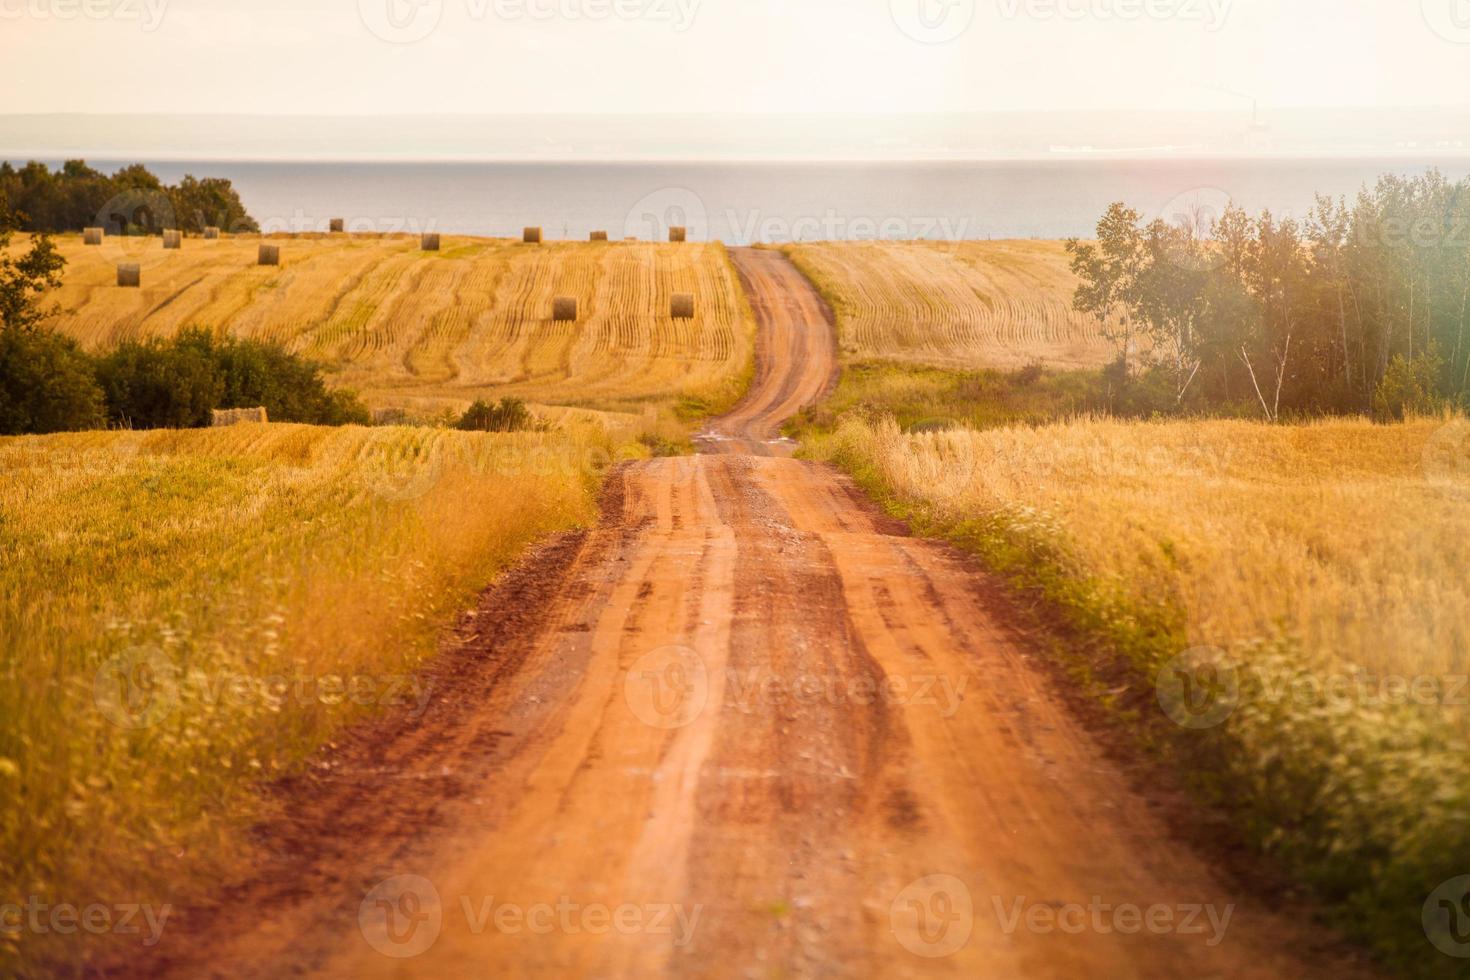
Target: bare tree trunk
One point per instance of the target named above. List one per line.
(1281, 376)
(1256, 384)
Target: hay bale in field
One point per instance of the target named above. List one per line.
(564, 308)
(631, 238)
(232, 416)
(269, 255)
(211, 233)
(172, 238)
(429, 241)
(598, 236)
(91, 236)
(682, 306)
(129, 274)
(531, 236)
(678, 233)
(336, 224)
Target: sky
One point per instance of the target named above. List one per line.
(350, 57)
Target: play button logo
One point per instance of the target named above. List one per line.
(401, 21)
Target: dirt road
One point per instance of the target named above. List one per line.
(745, 728)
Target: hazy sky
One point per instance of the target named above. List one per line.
(496, 56)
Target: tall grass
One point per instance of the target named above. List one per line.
(1312, 581)
(186, 614)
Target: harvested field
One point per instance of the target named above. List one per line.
(1001, 304)
(430, 331)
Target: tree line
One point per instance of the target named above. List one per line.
(132, 201)
(1360, 307)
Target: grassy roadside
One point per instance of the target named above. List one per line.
(1239, 597)
(185, 615)
(924, 398)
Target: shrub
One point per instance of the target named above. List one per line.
(157, 384)
(176, 383)
(1408, 388)
(46, 384)
(511, 415)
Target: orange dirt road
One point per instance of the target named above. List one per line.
(747, 727)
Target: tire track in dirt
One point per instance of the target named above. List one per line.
(751, 716)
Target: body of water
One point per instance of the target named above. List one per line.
(775, 202)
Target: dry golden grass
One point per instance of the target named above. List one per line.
(1000, 304)
(1285, 610)
(428, 331)
(1334, 533)
(180, 612)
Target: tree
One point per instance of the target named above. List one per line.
(23, 279)
(46, 384)
(1110, 272)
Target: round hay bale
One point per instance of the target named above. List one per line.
(682, 306)
(91, 236)
(129, 274)
(172, 238)
(598, 236)
(269, 255)
(211, 234)
(564, 308)
(220, 417)
(429, 241)
(531, 236)
(336, 224)
(678, 233)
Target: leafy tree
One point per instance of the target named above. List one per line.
(1110, 272)
(46, 384)
(177, 383)
(23, 279)
(158, 384)
(1408, 387)
(131, 201)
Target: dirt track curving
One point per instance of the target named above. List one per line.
(747, 727)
